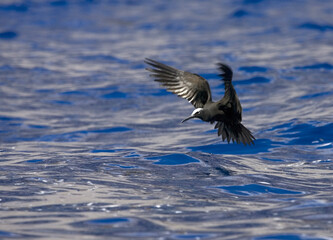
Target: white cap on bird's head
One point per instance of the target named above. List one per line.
(194, 114)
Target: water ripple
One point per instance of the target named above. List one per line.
(91, 147)
(256, 189)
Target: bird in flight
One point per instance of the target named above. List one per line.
(227, 112)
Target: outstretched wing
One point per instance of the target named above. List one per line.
(230, 100)
(185, 84)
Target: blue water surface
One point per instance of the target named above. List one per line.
(92, 148)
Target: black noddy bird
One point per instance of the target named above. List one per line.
(227, 112)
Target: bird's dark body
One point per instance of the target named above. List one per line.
(227, 112)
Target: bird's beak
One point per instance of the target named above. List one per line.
(188, 118)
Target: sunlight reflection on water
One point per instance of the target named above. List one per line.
(93, 147)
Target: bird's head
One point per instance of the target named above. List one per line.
(197, 113)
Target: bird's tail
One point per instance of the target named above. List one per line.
(235, 132)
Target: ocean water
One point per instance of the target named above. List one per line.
(92, 148)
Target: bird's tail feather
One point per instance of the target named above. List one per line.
(235, 132)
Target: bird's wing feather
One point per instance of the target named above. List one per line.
(185, 84)
(235, 132)
(230, 99)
